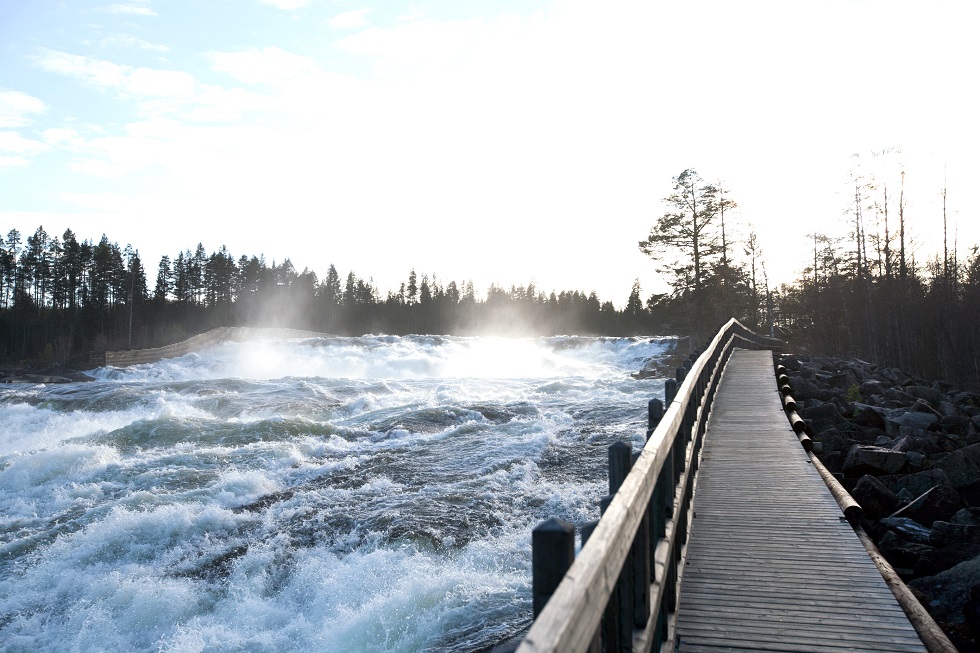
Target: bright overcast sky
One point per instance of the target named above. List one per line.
(494, 141)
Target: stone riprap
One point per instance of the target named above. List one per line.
(908, 450)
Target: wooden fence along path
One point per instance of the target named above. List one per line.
(762, 558)
(772, 565)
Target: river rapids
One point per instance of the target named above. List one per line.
(320, 494)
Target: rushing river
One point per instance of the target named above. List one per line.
(334, 494)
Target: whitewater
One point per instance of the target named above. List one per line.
(317, 494)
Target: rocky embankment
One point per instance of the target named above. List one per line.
(908, 450)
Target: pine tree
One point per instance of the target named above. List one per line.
(685, 239)
(165, 280)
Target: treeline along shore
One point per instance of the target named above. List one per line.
(62, 298)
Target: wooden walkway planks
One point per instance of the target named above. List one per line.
(771, 563)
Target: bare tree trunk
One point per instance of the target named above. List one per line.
(945, 249)
(698, 299)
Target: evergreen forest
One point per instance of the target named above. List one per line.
(61, 299)
(860, 294)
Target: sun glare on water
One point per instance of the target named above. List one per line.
(404, 358)
(503, 358)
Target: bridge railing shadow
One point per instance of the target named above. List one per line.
(620, 592)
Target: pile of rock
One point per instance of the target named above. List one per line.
(909, 452)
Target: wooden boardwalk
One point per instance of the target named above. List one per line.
(771, 564)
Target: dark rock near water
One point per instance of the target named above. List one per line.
(872, 388)
(935, 560)
(971, 611)
(842, 381)
(896, 394)
(965, 399)
(913, 420)
(931, 496)
(868, 416)
(945, 533)
(875, 497)
(833, 440)
(806, 390)
(931, 395)
(948, 409)
(947, 593)
(903, 554)
(864, 459)
(908, 529)
(962, 466)
(968, 516)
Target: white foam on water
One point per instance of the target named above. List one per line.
(101, 588)
(342, 494)
(382, 599)
(408, 357)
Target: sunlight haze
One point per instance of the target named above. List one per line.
(498, 142)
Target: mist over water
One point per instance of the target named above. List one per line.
(334, 494)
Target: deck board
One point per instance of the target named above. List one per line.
(771, 565)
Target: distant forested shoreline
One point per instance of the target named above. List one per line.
(62, 299)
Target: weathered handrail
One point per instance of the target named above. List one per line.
(573, 614)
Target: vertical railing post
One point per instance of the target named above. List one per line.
(665, 483)
(595, 646)
(620, 618)
(657, 510)
(655, 412)
(620, 463)
(682, 439)
(670, 391)
(642, 564)
(552, 553)
(611, 632)
(658, 520)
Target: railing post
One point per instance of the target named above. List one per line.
(670, 583)
(596, 645)
(620, 463)
(611, 632)
(670, 391)
(655, 412)
(665, 486)
(620, 629)
(642, 566)
(552, 553)
(657, 510)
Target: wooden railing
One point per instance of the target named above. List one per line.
(620, 593)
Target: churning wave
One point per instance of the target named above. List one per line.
(319, 494)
